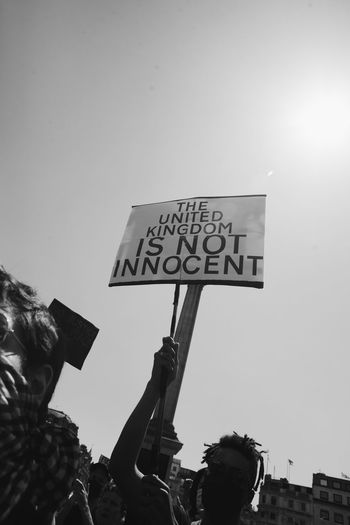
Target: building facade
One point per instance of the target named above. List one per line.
(284, 503)
(180, 482)
(331, 498)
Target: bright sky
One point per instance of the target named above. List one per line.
(109, 104)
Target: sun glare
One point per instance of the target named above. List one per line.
(320, 121)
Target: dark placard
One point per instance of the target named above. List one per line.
(79, 333)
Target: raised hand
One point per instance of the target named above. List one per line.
(80, 494)
(165, 359)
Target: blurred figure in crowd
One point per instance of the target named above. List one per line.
(80, 507)
(98, 479)
(109, 509)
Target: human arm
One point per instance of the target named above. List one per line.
(78, 497)
(122, 464)
(81, 498)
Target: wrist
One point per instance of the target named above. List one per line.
(152, 388)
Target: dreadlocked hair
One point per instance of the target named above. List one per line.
(247, 447)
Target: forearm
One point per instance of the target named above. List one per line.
(86, 515)
(124, 456)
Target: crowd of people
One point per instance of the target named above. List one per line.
(39, 456)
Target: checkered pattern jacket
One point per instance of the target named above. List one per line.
(38, 459)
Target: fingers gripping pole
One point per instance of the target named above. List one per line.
(163, 385)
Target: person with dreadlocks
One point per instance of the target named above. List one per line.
(39, 448)
(234, 471)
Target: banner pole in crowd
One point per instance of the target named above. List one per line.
(163, 382)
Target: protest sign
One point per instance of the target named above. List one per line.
(79, 334)
(209, 240)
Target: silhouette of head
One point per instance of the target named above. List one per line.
(234, 470)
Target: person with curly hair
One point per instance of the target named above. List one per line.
(39, 448)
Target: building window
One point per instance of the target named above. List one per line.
(324, 514)
(303, 507)
(289, 520)
(290, 503)
(302, 522)
(323, 494)
(273, 500)
(336, 485)
(337, 498)
(338, 518)
(323, 482)
(273, 516)
(263, 499)
(348, 500)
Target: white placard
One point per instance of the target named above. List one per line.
(211, 240)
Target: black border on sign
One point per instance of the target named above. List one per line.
(194, 198)
(247, 284)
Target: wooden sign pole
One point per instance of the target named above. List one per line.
(183, 335)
